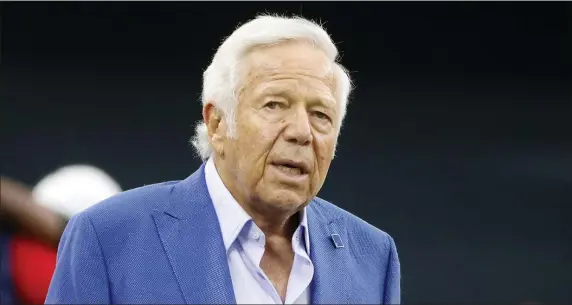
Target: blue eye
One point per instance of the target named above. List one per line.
(272, 105)
(321, 115)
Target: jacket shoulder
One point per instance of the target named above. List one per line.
(131, 207)
(360, 230)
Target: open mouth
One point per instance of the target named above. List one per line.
(291, 167)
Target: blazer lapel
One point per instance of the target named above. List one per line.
(190, 234)
(332, 283)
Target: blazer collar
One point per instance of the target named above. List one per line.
(332, 282)
(191, 236)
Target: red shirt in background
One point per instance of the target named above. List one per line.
(32, 266)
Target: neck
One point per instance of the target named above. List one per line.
(279, 224)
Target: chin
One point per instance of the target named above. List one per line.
(287, 200)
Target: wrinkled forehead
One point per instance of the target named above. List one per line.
(289, 59)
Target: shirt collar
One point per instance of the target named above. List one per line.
(231, 215)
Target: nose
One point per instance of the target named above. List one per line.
(298, 130)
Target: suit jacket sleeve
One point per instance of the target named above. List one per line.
(81, 275)
(392, 293)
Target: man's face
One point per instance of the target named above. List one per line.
(286, 123)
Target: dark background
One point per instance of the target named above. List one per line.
(458, 140)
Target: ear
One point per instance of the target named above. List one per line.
(216, 127)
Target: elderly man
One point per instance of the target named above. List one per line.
(246, 227)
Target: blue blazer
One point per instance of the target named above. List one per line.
(162, 244)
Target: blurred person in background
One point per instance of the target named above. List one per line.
(29, 237)
(247, 226)
(33, 221)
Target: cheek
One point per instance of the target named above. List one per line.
(253, 136)
(324, 150)
(255, 141)
(324, 146)
(254, 124)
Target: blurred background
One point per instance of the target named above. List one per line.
(458, 139)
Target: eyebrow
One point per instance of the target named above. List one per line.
(320, 98)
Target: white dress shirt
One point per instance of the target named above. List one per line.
(244, 243)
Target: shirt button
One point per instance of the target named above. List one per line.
(256, 235)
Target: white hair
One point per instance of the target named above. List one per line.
(74, 188)
(221, 78)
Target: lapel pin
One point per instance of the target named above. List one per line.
(337, 241)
